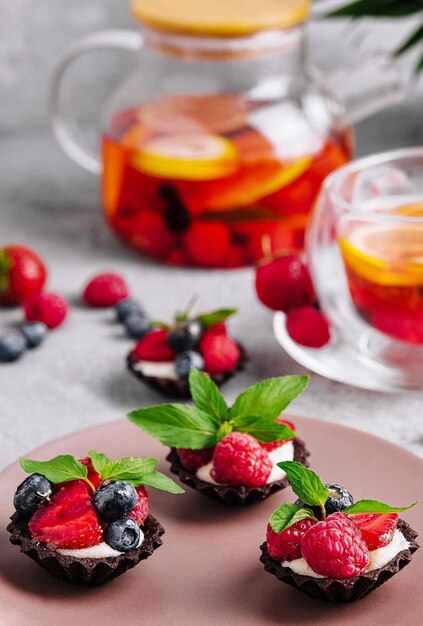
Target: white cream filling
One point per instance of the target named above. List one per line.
(157, 369)
(283, 453)
(100, 551)
(378, 558)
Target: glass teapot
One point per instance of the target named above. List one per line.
(214, 149)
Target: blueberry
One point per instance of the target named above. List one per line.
(32, 492)
(128, 307)
(185, 336)
(123, 534)
(185, 360)
(12, 346)
(338, 500)
(115, 500)
(137, 326)
(34, 333)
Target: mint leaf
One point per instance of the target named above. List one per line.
(224, 430)
(287, 515)
(157, 324)
(58, 470)
(177, 425)
(100, 461)
(161, 481)
(130, 469)
(269, 397)
(373, 506)
(306, 484)
(207, 320)
(5, 265)
(264, 429)
(206, 395)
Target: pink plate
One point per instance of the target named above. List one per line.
(208, 570)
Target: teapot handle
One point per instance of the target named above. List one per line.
(117, 39)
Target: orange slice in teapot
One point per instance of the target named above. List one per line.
(187, 156)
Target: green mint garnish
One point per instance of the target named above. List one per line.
(373, 506)
(61, 469)
(306, 485)
(287, 515)
(207, 320)
(5, 265)
(254, 412)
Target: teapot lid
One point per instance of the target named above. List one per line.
(220, 18)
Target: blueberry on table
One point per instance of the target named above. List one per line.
(127, 307)
(34, 333)
(12, 346)
(32, 492)
(185, 336)
(137, 326)
(123, 534)
(338, 500)
(185, 361)
(115, 500)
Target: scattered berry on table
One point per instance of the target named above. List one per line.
(142, 507)
(207, 244)
(137, 326)
(92, 476)
(286, 545)
(308, 327)
(127, 307)
(220, 353)
(34, 333)
(192, 460)
(68, 520)
(12, 346)
(185, 335)
(154, 347)
(273, 445)
(49, 308)
(123, 534)
(184, 361)
(22, 274)
(377, 530)
(115, 500)
(239, 459)
(105, 290)
(284, 284)
(334, 548)
(32, 492)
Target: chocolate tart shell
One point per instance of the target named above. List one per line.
(346, 589)
(180, 388)
(227, 493)
(84, 571)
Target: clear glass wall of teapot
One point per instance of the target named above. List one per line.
(213, 151)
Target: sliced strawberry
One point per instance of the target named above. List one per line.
(142, 507)
(93, 477)
(272, 445)
(220, 353)
(376, 529)
(154, 347)
(68, 520)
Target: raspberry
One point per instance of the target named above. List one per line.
(377, 530)
(68, 520)
(286, 545)
(142, 507)
(272, 445)
(284, 284)
(220, 353)
(154, 347)
(93, 477)
(150, 234)
(192, 460)
(105, 290)
(49, 308)
(334, 548)
(207, 244)
(308, 327)
(240, 460)
(22, 274)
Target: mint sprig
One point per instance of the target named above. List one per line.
(306, 484)
(374, 506)
(61, 469)
(207, 320)
(254, 412)
(287, 515)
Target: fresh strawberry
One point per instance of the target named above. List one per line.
(192, 460)
(376, 529)
(217, 329)
(142, 507)
(284, 283)
(207, 244)
(154, 347)
(68, 520)
(49, 308)
(220, 353)
(308, 327)
(105, 290)
(286, 545)
(240, 460)
(93, 477)
(272, 445)
(22, 274)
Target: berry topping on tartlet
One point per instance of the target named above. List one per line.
(331, 548)
(229, 453)
(164, 355)
(87, 521)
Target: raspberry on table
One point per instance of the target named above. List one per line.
(334, 548)
(49, 308)
(308, 327)
(192, 460)
(105, 290)
(286, 545)
(240, 460)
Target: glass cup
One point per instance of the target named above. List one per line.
(365, 244)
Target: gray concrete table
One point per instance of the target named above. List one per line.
(78, 378)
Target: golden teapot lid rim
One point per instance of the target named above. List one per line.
(220, 18)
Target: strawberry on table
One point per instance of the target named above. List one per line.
(22, 274)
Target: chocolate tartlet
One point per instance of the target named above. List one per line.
(84, 571)
(180, 388)
(227, 493)
(347, 589)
